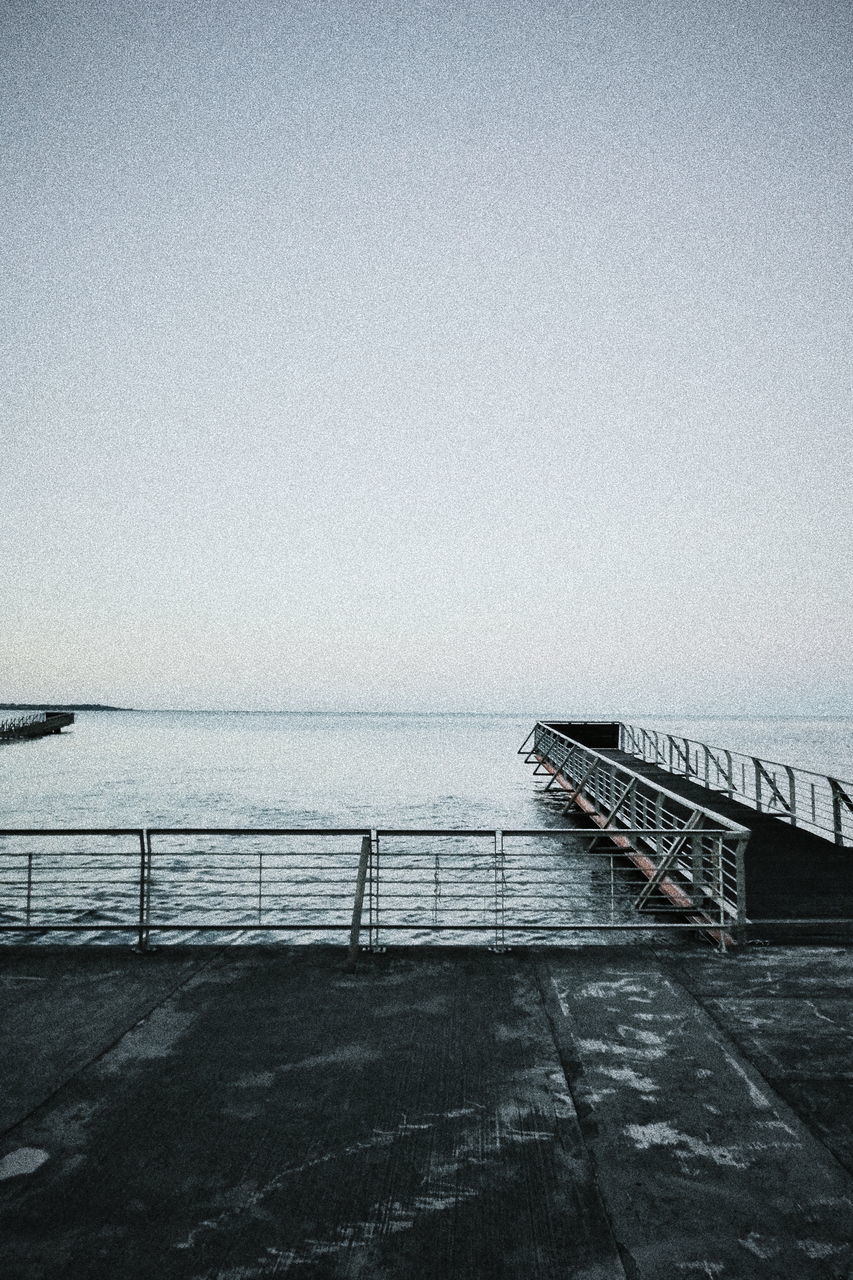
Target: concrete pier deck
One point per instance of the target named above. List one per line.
(232, 1114)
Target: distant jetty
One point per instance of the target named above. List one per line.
(36, 724)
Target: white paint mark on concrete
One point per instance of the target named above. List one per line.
(626, 1075)
(818, 1248)
(760, 1245)
(622, 986)
(24, 1160)
(644, 1037)
(598, 1095)
(662, 1134)
(621, 1050)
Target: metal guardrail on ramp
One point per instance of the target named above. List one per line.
(688, 855)
(814, 801)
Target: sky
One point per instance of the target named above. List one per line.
(403, 355)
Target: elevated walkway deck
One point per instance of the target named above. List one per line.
(790, 873)
(783, 857)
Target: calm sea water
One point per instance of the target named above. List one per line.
(189, 769)
(244, 769)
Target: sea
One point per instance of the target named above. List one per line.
(430, 772)
(214, 768)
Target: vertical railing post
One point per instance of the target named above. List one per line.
(144, 878)
(719, 879)
(697, 868)
(499, 893)
(659, 837)
(260, 883)
(792, 794)
(633, 817)
(839, 797)
(715, 889)
(374, 890)
(358, 902)
(612, 888)
(740, 880)
(29, 884)
(757, 767)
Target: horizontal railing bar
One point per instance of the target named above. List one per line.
(424, 927)
(583, 835)
(187, 927)
(480, 832)
(579, 832)
(71, 831)
(740, 755)
(258, 831)
(804, 920)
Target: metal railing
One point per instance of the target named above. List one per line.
(686, 853)
(10, 725)
(814, 801)
(496, 887)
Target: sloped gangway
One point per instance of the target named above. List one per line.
(791, 868)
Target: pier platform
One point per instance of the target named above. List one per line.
(783, 864)
(33, 724)
(789, 872)
(597, 1113)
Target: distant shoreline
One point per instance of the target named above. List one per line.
(59, 706)
(499, 715)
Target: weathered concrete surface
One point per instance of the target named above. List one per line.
(792, 1017)
(708, 1170)
(438, 1114)
(58, 1016)
(277, 1116)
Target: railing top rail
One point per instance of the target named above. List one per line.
(260, 831)
(71, 831)
(741, 755)
(717, 819)
(601, 833)
(483, 832)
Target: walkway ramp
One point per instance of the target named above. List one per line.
(794, 867)
(790, 873)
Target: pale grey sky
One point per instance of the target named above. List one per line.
(488, 356)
